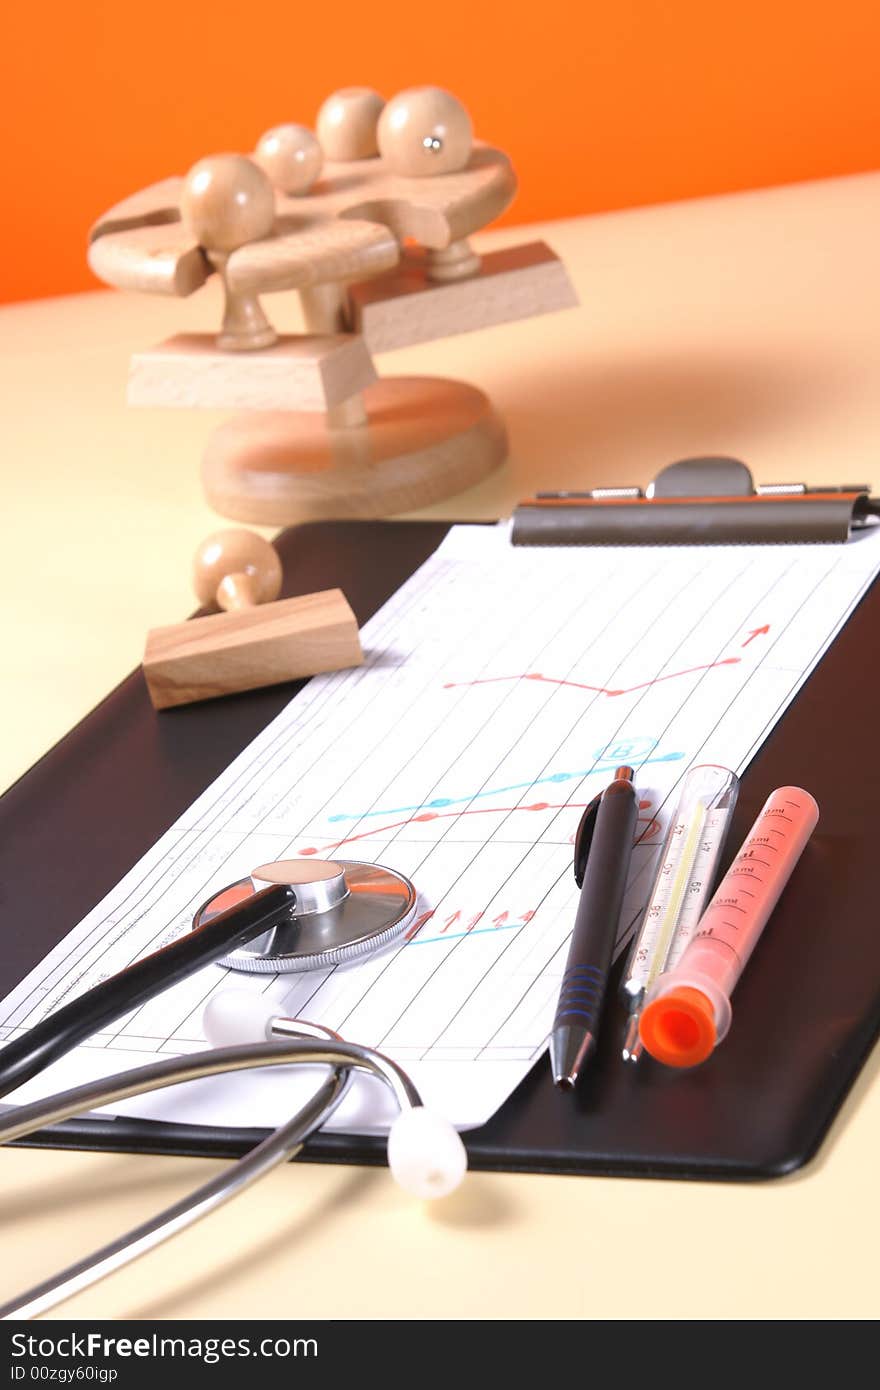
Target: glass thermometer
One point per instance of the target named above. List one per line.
(688, 865)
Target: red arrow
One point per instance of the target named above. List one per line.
(418, 924)
(757, 633)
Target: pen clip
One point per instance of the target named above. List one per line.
(584, 838)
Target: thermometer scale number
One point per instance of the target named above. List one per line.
(682, 885)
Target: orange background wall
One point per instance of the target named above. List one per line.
(600, 106)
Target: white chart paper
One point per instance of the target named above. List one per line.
(501, 688)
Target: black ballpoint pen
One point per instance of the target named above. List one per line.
(602, 850)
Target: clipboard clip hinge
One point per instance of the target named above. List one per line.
(696, 501)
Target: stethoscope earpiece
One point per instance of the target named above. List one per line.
(426, 1155)
(236, 1016)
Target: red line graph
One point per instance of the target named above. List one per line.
(378, 830)
(456, 920)
(598, 689)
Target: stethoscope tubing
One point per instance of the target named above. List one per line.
(283, 1143)
(26, 1057)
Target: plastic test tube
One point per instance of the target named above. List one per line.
(688, 1011)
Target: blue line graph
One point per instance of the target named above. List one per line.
(604, 762)
(457, 935)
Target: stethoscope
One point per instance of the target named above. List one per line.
(288, 916)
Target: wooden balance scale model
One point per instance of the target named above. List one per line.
(369, 219)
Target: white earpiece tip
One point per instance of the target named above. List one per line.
(237, 1016)
(425, 1153)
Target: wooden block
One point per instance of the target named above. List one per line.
(249, 648)
(345, 228)
(313, 254)
(153, 206)
(404, 307)
(161, 259)
(311, 373)
(433, 211)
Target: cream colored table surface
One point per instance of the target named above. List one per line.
(747, 325)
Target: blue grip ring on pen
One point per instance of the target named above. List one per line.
(580, 996)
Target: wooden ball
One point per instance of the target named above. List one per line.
(425, 131)
(249, 561)
(227, 201)
(346, 124)
(291, 156)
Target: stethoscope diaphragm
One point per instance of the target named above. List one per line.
(344, 910)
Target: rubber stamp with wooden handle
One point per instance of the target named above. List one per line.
(258, 639)
(369, 219)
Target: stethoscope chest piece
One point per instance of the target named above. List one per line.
(344, 910)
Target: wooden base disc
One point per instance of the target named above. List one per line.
(424, 439)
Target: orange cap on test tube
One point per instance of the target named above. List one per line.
(678, 1028)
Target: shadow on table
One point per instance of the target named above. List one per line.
(606, 422)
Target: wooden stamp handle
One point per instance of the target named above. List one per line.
(236, 569)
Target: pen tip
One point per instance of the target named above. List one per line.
(569, 1049)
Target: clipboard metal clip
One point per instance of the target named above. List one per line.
(697, 501)
(584, 838)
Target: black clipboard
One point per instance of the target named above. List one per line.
(806, 1012)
